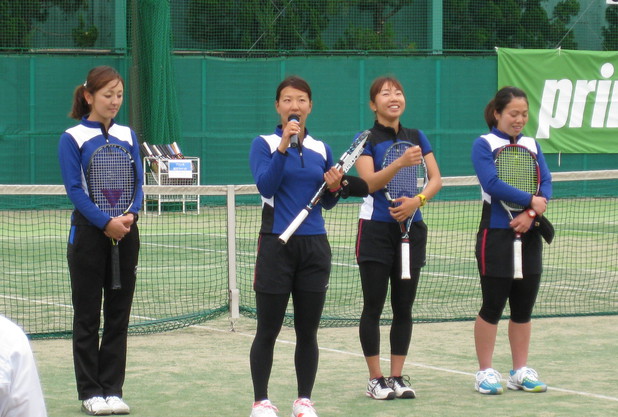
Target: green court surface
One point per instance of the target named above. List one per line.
(204, 371)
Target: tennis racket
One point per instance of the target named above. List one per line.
(519, 168)
(112, 185)
(405, 183)
(346, 161)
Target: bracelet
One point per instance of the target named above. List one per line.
(422, 198)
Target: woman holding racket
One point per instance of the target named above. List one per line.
(379, 240)
(100, 367)
(289, 166)
(506, 115)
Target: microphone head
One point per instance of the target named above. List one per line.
(294, 138)
(353, 187)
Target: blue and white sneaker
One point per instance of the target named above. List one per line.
(488, 382)
(525, 379)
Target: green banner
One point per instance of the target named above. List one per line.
(573, 97)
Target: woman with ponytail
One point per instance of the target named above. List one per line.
(99, 364)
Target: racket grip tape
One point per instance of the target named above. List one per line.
(517, 259)
(405, 260)
(285, 236)
(115, 260)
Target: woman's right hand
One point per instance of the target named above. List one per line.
(291, 128)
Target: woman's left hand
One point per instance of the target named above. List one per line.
(404, 210)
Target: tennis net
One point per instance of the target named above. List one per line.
(199, 265)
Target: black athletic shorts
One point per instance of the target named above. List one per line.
(381, 242)
(494, 252)
(302, 264)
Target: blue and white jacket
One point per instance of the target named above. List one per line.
(77, 144)
(484, 150)
(287, 182)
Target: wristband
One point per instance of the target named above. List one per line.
(335, 190)
(422, 198)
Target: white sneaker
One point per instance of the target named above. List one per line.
(401, 386)
(488, 382)
(117, 405)
(96, 406)
(303, 407)
(526, 379)
(378, 389)
(263, 408)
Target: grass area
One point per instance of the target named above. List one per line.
(204, 371)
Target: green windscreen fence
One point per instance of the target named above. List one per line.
(224, 103)
(192, 261)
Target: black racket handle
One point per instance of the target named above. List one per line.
(115, 258)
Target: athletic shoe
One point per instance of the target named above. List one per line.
(401, 386)
(263, 408)
(488, 382)
(527, 379)
(303, 407)
(96, 406)
(378, 389)
(117, 405)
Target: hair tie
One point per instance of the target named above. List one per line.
(86, 83)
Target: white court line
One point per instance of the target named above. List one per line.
(416, 364)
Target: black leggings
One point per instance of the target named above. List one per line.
(375, 278)
(270, 313)
(521, 294)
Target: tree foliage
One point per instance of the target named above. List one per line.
(321, 25)
(485, 24)
(255, 24)
(290, 25)
(610, 33)
(18, 17)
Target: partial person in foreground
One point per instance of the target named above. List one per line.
(20, 387)
(100, 368)
(379, 244)
(289, 166)
(506, 115)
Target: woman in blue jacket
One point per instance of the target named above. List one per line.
(289, 166)
(99, 367)
(506, 115)
(378, 249)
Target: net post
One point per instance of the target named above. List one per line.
(231, 254)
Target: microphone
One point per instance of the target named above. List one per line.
(294, 138)
(353, 187)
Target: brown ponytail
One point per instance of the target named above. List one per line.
(80, 105)
(490, 119)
